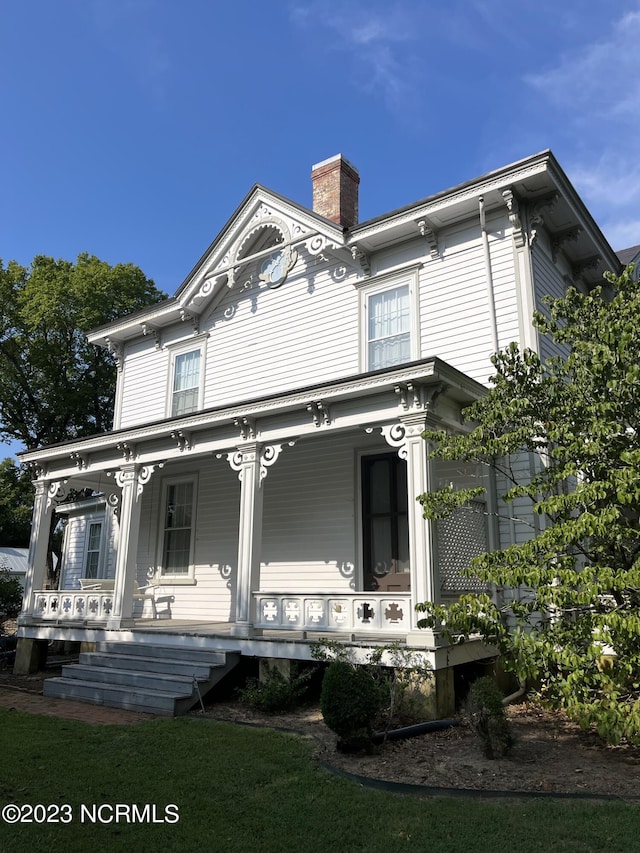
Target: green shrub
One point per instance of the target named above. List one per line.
(275, 693)
(350, 701)
(10, 594)
(486, 714)
(399, 673)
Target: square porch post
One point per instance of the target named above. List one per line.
(47, 495)
(247, 462)
(423, 565)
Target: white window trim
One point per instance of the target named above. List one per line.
(194, 344)
(381, 284)
(183, 578)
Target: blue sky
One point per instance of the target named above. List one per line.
(131, 129)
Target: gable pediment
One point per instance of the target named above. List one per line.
(265, 239)
(263, 224)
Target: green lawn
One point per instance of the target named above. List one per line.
(245, 789)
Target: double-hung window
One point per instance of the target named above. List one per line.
(389, 328)
(177, 527)
(92, 551)
(186, 382)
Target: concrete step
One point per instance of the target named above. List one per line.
(147, 650)
(130, 677)
(160, 681)
(147, 701)
(149, 664)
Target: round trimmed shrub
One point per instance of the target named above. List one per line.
(350, 702)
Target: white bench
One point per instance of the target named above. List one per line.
(140, 593)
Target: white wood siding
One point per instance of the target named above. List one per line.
(216, 549)
(144, 383)
(548, 280)
(266, 341)
(310, 516)
(454, 307)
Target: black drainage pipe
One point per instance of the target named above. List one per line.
(414, 731)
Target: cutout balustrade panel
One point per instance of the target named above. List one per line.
(72, 605)
(379, 613)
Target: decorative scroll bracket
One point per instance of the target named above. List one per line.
(117, 351)
(191, 318)
(266, 454)
(138, 474)
(57, 491)
(430, 234)
(80, 459)
(182, 439)
(418, 397)
(247, 427)
(362, 259)
(151, 331)
(570, 235)
(319, 412)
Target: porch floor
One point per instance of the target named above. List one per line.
(193, 628)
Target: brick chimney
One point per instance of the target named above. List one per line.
(335, 190)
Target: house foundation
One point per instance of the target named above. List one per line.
(31, 656)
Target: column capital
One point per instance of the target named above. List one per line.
(254, 453)
(135, 474)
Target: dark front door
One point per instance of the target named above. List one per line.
(385, 523)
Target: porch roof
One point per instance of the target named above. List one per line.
(357, 400)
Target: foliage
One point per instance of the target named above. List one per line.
(16, 501)
(275, 693)
(403, 674)
(10, 593)
(54, 385)
(350, 702)
(487, 716)
(574, 627)
(398, 672)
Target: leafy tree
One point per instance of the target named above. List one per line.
(10, 593)
(16, 499)
(54, 385)
(576, 630)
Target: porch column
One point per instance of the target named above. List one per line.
(132, 479)
(251, 461)
(425, 582)
(47, 495)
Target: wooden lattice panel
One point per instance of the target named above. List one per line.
(461, 536)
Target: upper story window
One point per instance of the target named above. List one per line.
(185, 389)
(390, 324)
(186, 382)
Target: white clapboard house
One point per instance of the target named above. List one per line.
(258, 489)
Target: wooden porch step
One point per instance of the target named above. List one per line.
(164, 680)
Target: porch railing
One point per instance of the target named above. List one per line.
(379, 613)
(73, 605)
